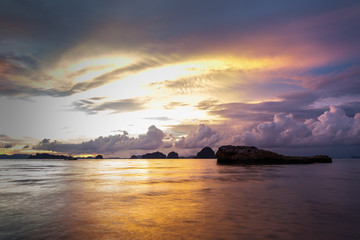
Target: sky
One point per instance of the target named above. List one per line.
(119, 78)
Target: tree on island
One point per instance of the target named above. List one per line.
(206, 152)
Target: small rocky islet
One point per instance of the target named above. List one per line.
(250, 155)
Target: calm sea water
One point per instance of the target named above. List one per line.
(178, 199)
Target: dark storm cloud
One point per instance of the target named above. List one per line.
(51, 26)
(93, 106)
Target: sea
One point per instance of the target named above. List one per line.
(178, 199)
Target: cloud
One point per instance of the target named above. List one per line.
(333, 127)
(209, 104)
(16, 73)
(180, 86)
(202, 136)
(109, 145)
(205, 80)
(339, 82)
(336, 127)
(159, 118)
(297, 103)
(23, 75)
(91, 105)
(50, 32)
(173, 105)
(119, 73)
(8, 142)
(149, 141)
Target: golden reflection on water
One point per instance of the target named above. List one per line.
(148, 199)
(139, 201)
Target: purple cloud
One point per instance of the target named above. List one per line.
(203, 136)
(152, 140)
(332, 127)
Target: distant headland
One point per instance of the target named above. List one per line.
(45, 156)
(52, 156)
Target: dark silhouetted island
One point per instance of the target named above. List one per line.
(14, 156)
(173, 155)
(53, 156)
(206, 152)
(253, 155)
(133, 157)
(154, 155)
(47, 156)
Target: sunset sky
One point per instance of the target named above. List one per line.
(128, 77)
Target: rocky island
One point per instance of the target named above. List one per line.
(250, 155)
(206, 152)
(154, 155)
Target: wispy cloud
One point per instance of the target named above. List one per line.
(173, 105)
(159, 118)
(9, 142)
(93, 105)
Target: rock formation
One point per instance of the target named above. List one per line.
(206, 152)
(252, 155)
(133, 157)
(154, 155)
(99, 157)
(173, 155)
